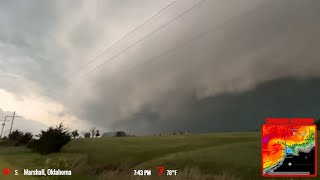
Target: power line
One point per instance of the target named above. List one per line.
(195, 37)
(129, 34)
(147, 36)
(187, 42)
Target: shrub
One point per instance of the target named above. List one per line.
(15, 137)
(51, 141)
(32, 143)
(18, 138)
(26, 138)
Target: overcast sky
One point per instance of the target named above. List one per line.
(201, 66)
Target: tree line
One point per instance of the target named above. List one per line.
(48, 141)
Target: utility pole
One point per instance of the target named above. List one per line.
(14, 115)
(3, 124)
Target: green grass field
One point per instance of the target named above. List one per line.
(221, 156)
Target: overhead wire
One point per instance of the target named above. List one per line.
(145, 37)
(129, 34)
(190, 40)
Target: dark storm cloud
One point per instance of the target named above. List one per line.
(245, 111)
(217, 82)
(225, 78)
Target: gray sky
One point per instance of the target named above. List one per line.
(209, 68)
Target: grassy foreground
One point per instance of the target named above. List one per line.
(220, 156)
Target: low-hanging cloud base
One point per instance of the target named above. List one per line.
(245, 111)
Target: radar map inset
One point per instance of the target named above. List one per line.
(289, 149)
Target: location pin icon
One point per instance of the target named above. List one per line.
(6, 171)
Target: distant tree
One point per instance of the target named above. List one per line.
(174, 132)
(18, 138)
(93, 132)
(75, 134)
(15, 136)
(86, 134)
(83, 133)
(97, 133)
